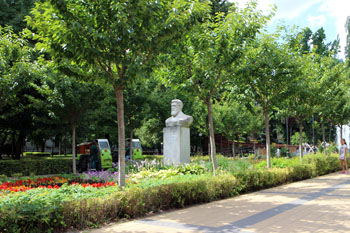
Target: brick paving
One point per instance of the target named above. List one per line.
(321, 204)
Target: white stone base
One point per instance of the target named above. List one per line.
(176, 141)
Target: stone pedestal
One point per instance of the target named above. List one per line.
(176, 142)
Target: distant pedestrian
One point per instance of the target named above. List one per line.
(342, 156)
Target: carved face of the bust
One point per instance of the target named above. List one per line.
(175, 109)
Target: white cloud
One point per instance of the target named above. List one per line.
(337, 10)
(316, 21)
(265, 5)
(333, 12)
(290, 9)
(286, 9)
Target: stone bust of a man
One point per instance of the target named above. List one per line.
(178, 118)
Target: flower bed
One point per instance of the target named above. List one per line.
(54, 182)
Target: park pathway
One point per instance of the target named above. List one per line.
(316, 205)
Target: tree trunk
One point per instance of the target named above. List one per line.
(43, 144)
(237, 137)
(212, 136)
(60, 146)
(131, 136)
(267, 132)
(74, 150)
(330, 133)
(254, 145)
(2, 145)
(323, 138)
(19, 146)
(341, 131)
(53, 144)
(13, 142)
(233, 149)
(323, 132)
(121, 135)
(301, 139)
(254, 149)
(209, 151)
(65, 144)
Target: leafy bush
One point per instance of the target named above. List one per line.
(100, 176)
(37, 154)
(296, 136)
(321, 164)
(240, 165)
(285, 170)
(273, 150)
(42, 210)
(3, 178)
(188, 169)
(332, 149)
(284, 152)
(149, 157)
(199, 158)
(37, 166)
(279, 162)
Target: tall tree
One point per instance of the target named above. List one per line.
(267, 76)
(22, 96)
(209, 56)
(233, 119)
(300, 103)
(73, 99)
(120, 38)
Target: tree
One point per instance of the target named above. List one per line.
(13, 13)
(295, 140)
(300, 103)
(119, 38)
(233, 119)
(267, 77)
(317, 52)
(327, 80)
(208, 57)
(318, 42)
(73, 99)
(338, 112)
(22, 90)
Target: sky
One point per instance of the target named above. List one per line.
(329, 14)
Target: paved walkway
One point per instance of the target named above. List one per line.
(316, 205)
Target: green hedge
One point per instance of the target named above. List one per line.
(39, 154)
(312, 166)
(76, 207)
(37, 166)
(67, 207)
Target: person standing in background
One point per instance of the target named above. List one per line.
(342, 156)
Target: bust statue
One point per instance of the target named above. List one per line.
(178, 118)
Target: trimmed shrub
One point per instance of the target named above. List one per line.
(38, 154)
(47, 210)
(36, 166)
